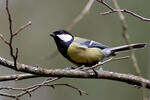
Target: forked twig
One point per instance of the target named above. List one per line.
(106, 61)
(113, 10)
(126, 38)
(10, 42)
(11, 36)
(30, 89)
(81, 92)
(21, 28)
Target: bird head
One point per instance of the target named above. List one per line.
(61, 35)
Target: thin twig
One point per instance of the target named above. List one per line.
(22, 27)
(30, 89)
(11, 37)
(17, 77)
(10, 42)
(81, 15)
(9, 18)
(81, 92)
(4, 39)
(35, 87)
(8, 95)
(126, 37)
(24, 91)
(106, 61)
(105, 4)
(128, 12)
(124, 27)
(113, 10)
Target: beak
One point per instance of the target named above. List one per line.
(52, 34)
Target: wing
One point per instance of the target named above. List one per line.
(89, 43)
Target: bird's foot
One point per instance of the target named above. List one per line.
(100, 69)
(69, 68)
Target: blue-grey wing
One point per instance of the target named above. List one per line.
(89, 43)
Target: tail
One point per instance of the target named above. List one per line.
(127, 47)
(113, 50)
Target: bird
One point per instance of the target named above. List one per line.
(85, 52)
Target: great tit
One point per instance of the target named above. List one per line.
(86, 52)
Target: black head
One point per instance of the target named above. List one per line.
(59, 32)
(61, 35)
(62, 39)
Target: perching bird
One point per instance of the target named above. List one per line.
(86, 52)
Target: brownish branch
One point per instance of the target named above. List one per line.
(113, 10)
(9, 18)
(106, 61)
(126, 11)
(124, 31)
(126, 78)
(81, 15)
(30, 89)
(10, 42)
(17, 77)
(126, 37)
(24, 91)
(8, 95)
(22, 27)
(81, 92)
(4, 39)
(11, 37)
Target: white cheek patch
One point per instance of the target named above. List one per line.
(65, 37)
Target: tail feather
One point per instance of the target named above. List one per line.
(127, 47)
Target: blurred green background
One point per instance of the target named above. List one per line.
(35, 45)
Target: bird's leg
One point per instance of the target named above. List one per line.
(80, 67)
(69, 68)
(100, 69)
(100, 66)
(95, 72)
(73, 68)
(87, 69)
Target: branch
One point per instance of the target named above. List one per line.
(124, 33)
(22, 27)
(81, 15)
(4, 39)
(133, 57)
(113, 10)
(29, 89)
(108, 60)
(17, 77)
(10, 42)
(81, 92)
(14, 56)
(127, 78)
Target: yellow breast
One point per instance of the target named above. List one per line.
(83, 54)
